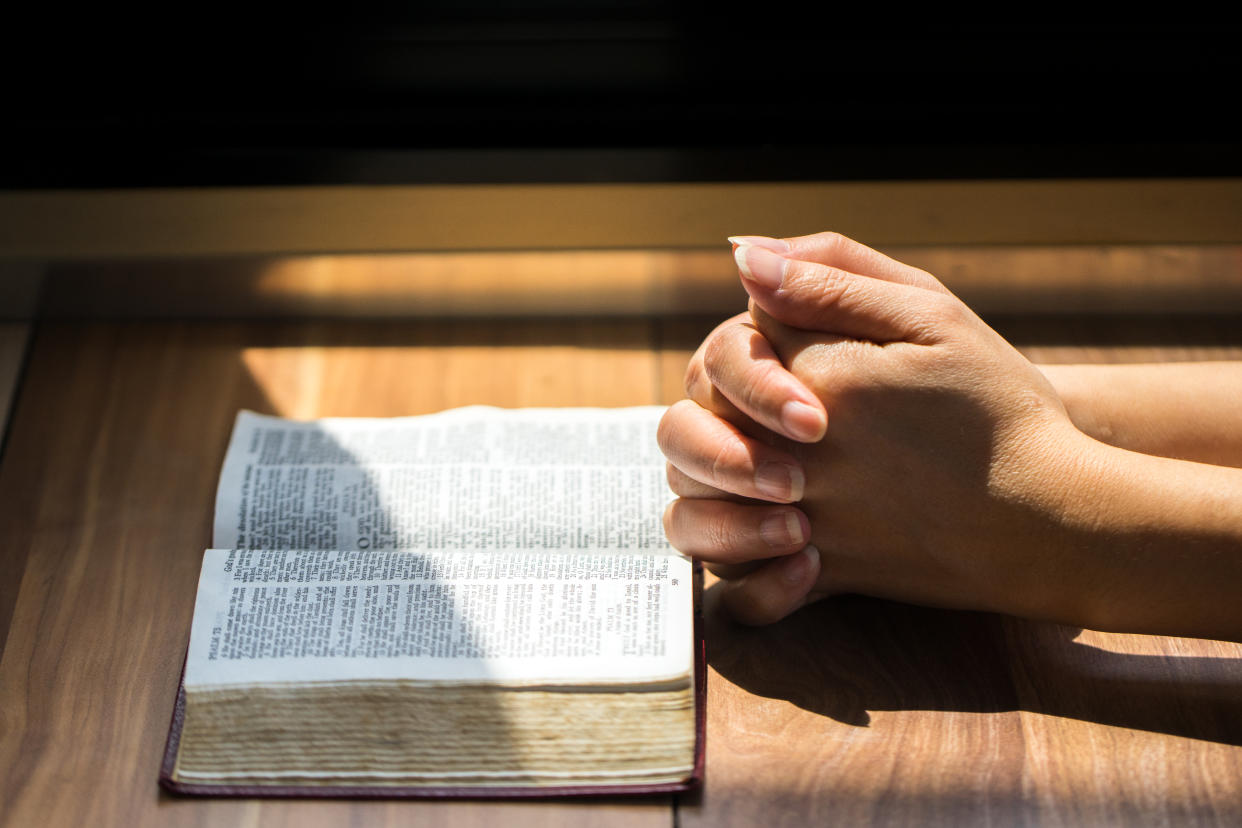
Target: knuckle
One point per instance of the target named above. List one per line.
(662, 431)
(826, 244)
(667, 519)
(679, 482)
(925, 279)
(823, 285)
(668, 429)
(717, 534)
(694, 375)
(715, 356)
(722, 466)
(702, 528)
(832, 242)
(953, 309)
(722, 349)
(747, 381)
(762, 383)
(943, 311)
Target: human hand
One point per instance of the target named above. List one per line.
(944, 468)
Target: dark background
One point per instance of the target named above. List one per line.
(488, 91)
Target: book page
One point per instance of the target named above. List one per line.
(474, 545)
(604, 617)
(470, 478)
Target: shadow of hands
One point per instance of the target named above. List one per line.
(848, 656)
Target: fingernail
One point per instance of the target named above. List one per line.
(797, 568)
(775, 245)
(763, 267)
(782, 531)
(803, 422)
(780, 480)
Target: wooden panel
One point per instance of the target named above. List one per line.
(547, 283)
(1082, 278)
(105, 507)
(858, 711)
(153, 222)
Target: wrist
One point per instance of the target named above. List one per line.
(1054, 516)
(1079, 393)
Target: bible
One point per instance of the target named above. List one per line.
(473, 603)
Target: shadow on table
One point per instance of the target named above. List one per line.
(847, 656)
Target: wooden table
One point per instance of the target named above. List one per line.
(854, 711)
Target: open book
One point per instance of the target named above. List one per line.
(476, 602)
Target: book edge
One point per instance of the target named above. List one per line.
(692, 782)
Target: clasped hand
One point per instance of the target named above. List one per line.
(861, 430)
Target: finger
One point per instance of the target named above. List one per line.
(731, 572)
(694, 368)
(699, 387)
(836, 250)
(740, 364)
(824, 298)
(715, 452)
(683, 485)
(775, 589)
(724, 532)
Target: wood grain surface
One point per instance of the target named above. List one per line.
(854, 711)
(106, 495)
(858, 711)
(59, 225)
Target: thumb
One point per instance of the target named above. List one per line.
(841, 251)
(819, 297)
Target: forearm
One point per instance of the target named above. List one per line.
(1189, 411)
(1149, 545)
